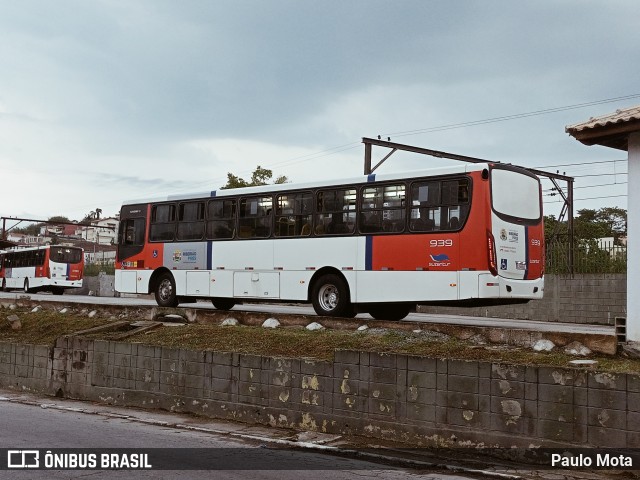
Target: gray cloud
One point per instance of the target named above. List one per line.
(132, 84)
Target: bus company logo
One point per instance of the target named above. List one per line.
(513, 236)
(503, 235)
(440, 260)
(177, 256)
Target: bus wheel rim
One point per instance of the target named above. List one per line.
(328, 297)
(165, 289)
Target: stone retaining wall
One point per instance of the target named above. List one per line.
(416, 400)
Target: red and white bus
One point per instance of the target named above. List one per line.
(51, 268)
(378, 244)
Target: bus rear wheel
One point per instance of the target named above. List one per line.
(223, 303)
(165, 291)
(390, 311)
(330, 297)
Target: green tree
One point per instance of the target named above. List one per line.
(58, 218)
(589, 255)
(260, 176)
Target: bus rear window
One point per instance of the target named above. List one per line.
(65, 255)
(514, 194)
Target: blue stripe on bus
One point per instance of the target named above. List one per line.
(371, 177)
(209, 255)
(368, 253)
(213, 193)
(68, 269)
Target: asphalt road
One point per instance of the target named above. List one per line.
(28, 422)
(307, 310)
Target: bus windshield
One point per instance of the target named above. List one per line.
(66, 255)
(514, 194)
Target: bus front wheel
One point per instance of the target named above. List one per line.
(165, 291)
(390, 311)
(223, 303)
(330, 297)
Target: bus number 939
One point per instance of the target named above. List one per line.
(441, 243)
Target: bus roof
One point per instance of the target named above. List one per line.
(273, 188)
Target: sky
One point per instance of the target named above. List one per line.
(106, 101)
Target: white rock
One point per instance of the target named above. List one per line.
(543, 346)
(12, 306)
(576, 348)
(362, 328)
(64, 310)
(92, 313)
(36, 309)
(271, 323)
(314, 326)
(230, 322)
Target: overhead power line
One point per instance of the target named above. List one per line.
(582, 163)
(511, 117)
(587, 198)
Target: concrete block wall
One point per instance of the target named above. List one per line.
(585, 298)
(421, 401)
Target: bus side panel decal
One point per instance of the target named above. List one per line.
(368, 253)
(209, 254)
(535, 252)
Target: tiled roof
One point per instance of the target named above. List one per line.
(611, 130)
(619, 116)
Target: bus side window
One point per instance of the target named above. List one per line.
(221, 218)
(335, 212)
(382, 209)
(191, 221)
(441, 205)
(162, 223)
(293, 214)
(254, 220)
